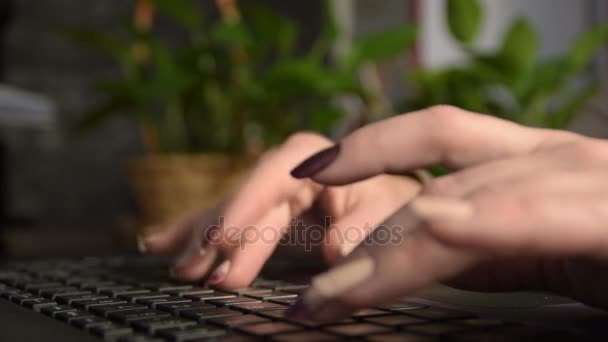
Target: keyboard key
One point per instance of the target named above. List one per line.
(402, 337)
(171, 287)
(204, 314)
(175, 308)
(38, 303)
(232, 300)
(357, 329)
(135, 315)
(153, 302)
(438, 314)
(235, 321)
(89, 322)
(259, 306)
(394, 320)
(68, 316)
(117, 292)
(272, 295)
(65, 295)
(249, 291)
(22, 297)
(480, 322)
(436, 328)
(265, 329)
(8, 292)
(105, 310)
(113, 331)
(134, 297)
(51, 291)
(151, 326)
(52, 310)
(210, 296)
(69, 299)
(305, 336)
(190, 291)
(283, 301)
(109, 290)
(400, 306)
(35, 287)
(199, 332)
(139, 338)
(87, 304)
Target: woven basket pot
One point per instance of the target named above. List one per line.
(166, 187)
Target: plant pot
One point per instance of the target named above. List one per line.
(167, 187)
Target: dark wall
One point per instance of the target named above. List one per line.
(55, 181)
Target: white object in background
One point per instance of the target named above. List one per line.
(23, 109)
(558, 23)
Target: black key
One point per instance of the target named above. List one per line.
(259, 306)
(307, 336)
(438, 314)
(77, 292)
(19, 298)
(152, 302)
(111, 331)
(51, 291)
(233, 300)
(87, 304)
(35, 287)
(194, 333)
(133, 297)
(401, 306)
(357, 329)
(52, 310)
(436, 329)
(68, 316)
(171, 288)
(292, 288)
(135, 315)
(95, 285)
(139, 338)
(394, 320)
(38, 303)
(235, 321)
(8, 292)
(265, 329)
(105, 310)
(284, 301)
(190, 291)
(175, 308)
(151, 326)
(273, 295)
(249, 291)
(112, 288)
(89, 322)
(210, 296)
(69, 298)
(118, 292)
(204, 314)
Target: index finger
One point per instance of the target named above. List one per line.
(438, 135)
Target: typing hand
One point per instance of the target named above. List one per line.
(524, 208)
(258, 214)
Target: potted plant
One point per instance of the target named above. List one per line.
(210, 104)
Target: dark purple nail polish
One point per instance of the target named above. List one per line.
(316, 163)
(297, 311)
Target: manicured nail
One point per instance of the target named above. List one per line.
(441, 208)
(219, 274)
(141, 245)
(316, 163)
(333, 283)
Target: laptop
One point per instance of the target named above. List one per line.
(134, 299)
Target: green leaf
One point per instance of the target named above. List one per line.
(271, 29)
(585, 48)
(329, 34)
(233, 35)
(464, 19)
(380, 46)
(569, 109)
(183, 12)
(520, 45)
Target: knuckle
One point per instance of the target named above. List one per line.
(305, 137)
(441, 186)
(589, 150)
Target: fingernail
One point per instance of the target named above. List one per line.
(141, 245)
(219, 274)
(333, 283)
(316, 163)
(440, 208)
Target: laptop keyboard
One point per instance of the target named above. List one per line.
(117, 300)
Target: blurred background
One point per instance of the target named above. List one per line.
(119, 115)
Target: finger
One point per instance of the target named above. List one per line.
(377, 198)
(379, 270)
(446, 135)
(563, 216)
(173, 238)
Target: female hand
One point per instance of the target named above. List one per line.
(525, 208)
(244, 230)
